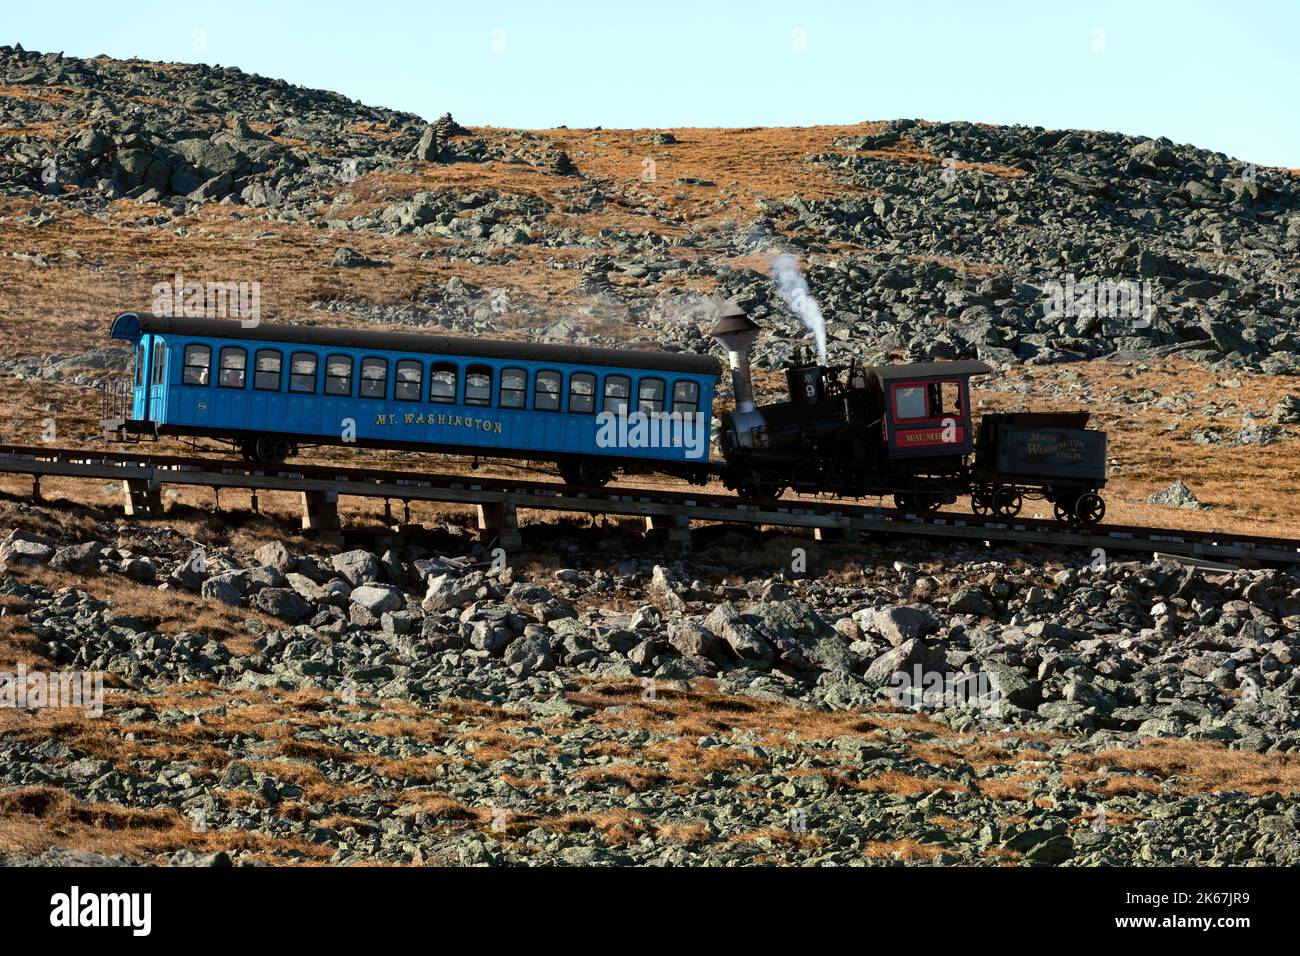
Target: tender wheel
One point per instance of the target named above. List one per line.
(271, 449)
(981, 503)
(1064, 509)
(904, 502)
(1090, 509)
(1007, 502)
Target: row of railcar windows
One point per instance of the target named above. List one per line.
(444, 381)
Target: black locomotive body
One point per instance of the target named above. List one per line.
(904, 431)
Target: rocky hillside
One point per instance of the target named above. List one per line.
(920, 239)
(402, 703)
(406, 699)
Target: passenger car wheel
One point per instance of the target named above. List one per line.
(588, 472)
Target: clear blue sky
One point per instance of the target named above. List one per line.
(1222, 75)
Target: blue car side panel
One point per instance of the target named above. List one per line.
(490, 428)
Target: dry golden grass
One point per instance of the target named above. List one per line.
(908, 851)
(633, 777)
(615, 825)
(687, 834)
(34, 819)
(1007, 788)
(895, 782)
(440, 806)
(1112, 786)
(168, 611)
(951, 824)
(687, 762)
(1199, 766)
(782, 838)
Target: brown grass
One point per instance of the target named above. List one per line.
(1201, 766)
(34, 819)
(908, 851)
(780, 837)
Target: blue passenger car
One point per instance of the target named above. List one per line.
(270, 388)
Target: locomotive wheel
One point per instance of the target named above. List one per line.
(929, 497)
(1007, 502)
(763, 484)
(271, 449)
(1090, 509)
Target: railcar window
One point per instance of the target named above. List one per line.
(198, 365)
(546, 391)
(945, 398)
(909, 402)
(686, 397)
(234, 367)
(617, 390)
(159, 362)
(374, 378)
(267, 365)
(302, 372)
(478, 385)
(442, 384)
(582, 393)
(338, 375)
(650, 396)
(408, 379)
(139, 364)
(514, 387)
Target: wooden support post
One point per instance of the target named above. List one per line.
(36, 488)
(142, 499)
(834, 533)
(502, 521)
(677, 527)
(320, 514)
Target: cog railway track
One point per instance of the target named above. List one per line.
(498, 500)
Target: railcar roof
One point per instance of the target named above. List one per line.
(890, 373)
(416, 342)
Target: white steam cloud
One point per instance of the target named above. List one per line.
(794, 290)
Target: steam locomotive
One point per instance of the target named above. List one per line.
(904, 431)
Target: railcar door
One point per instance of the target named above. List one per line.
(140, 384)
(159, 363)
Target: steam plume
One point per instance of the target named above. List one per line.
(794, 290)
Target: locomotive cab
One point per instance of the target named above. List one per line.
(925, 408)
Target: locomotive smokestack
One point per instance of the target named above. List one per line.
(738, 334)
